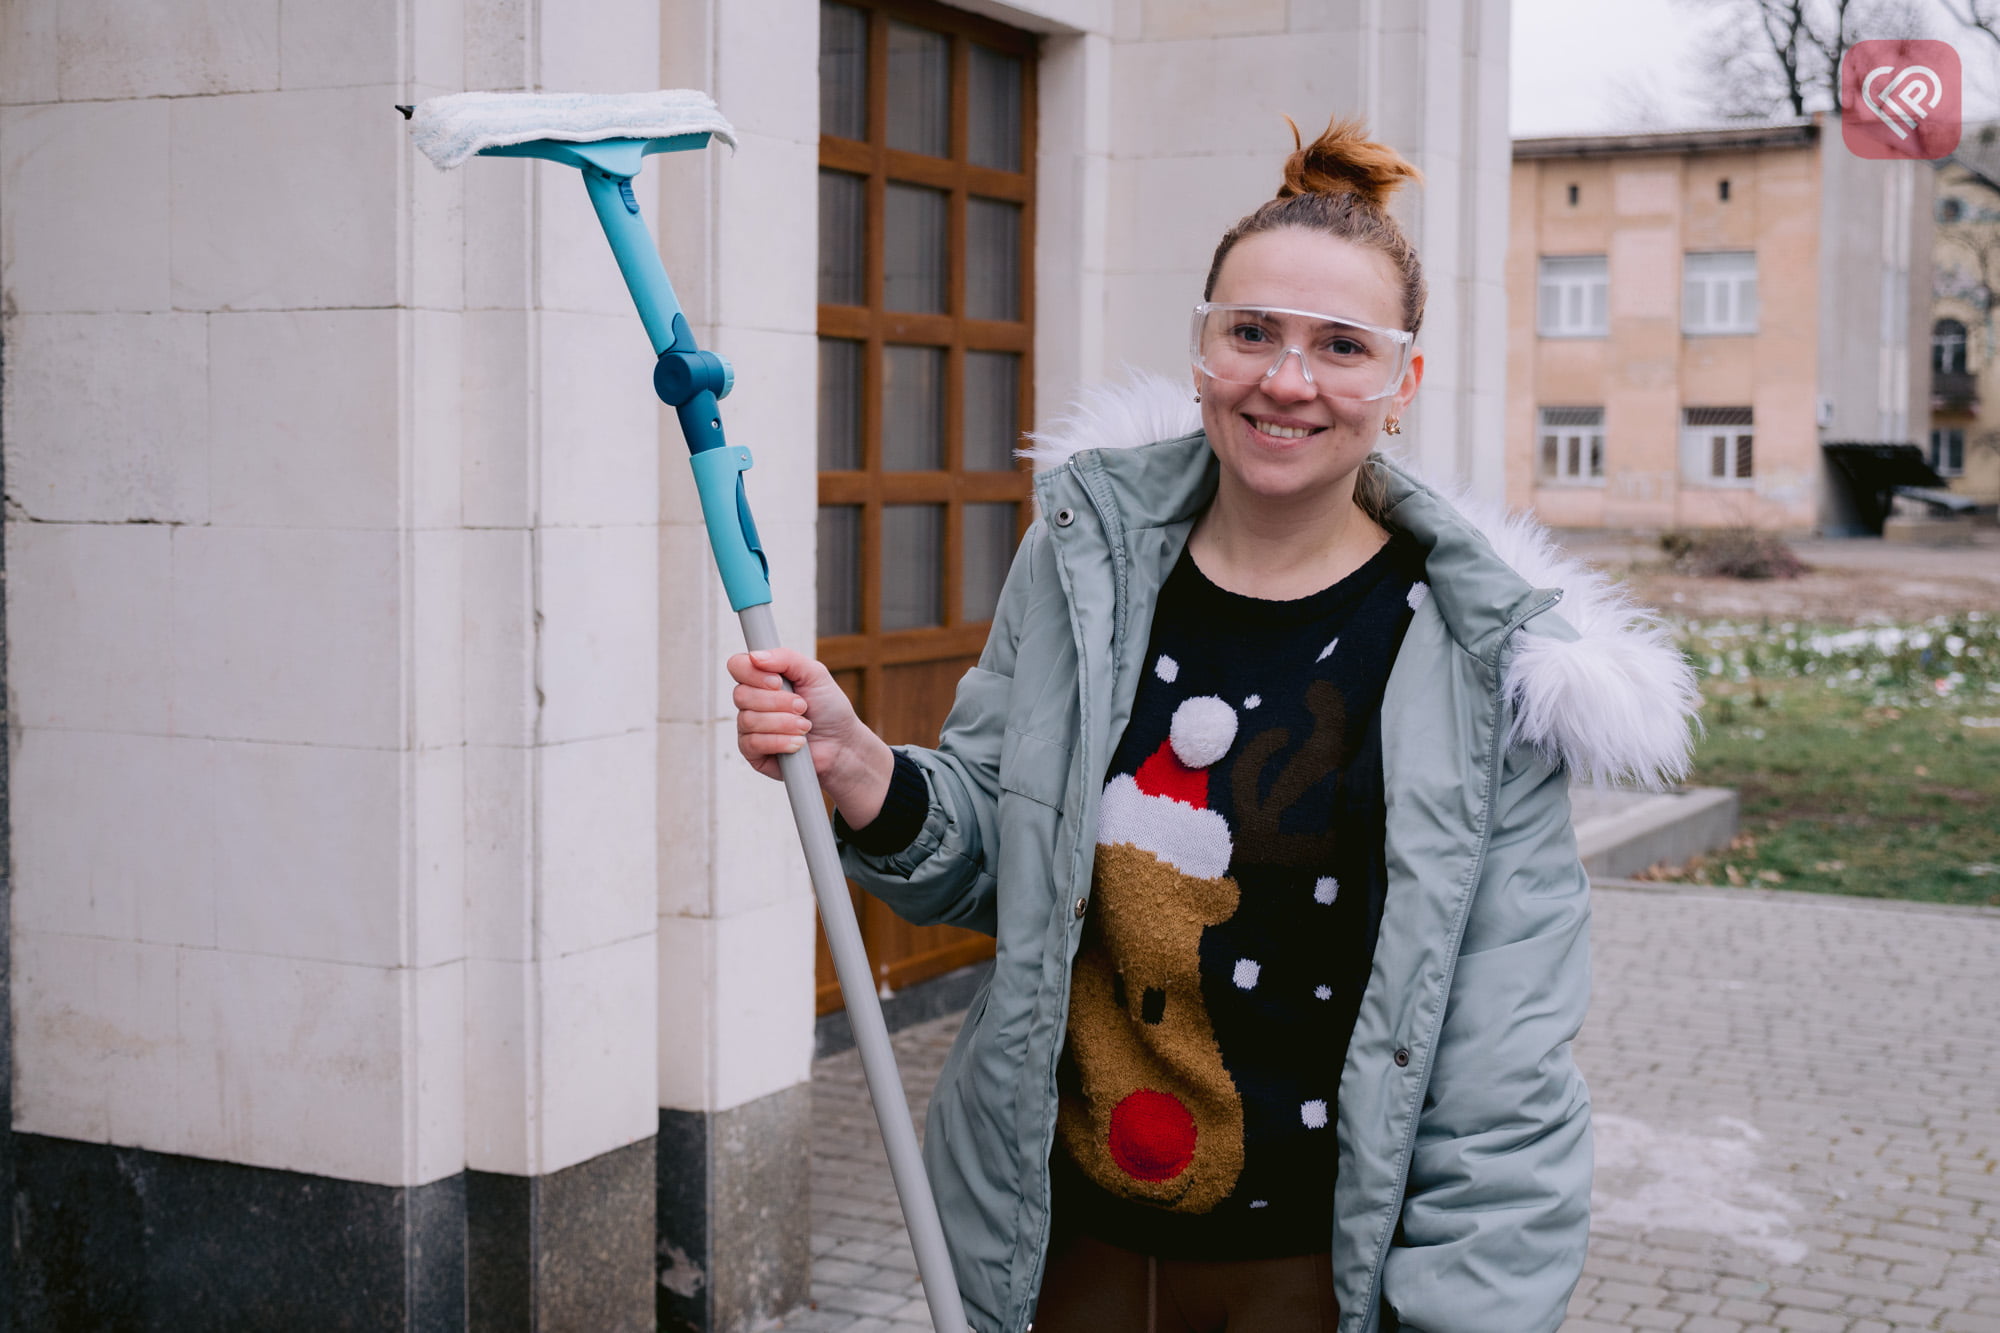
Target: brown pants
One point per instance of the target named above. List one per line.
(1091, 1287)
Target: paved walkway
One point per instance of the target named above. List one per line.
(1798, 1126)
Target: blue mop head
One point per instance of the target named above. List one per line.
(451, 129)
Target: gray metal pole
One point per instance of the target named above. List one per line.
(864, 1013)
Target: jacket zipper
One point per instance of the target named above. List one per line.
(1372, 1307)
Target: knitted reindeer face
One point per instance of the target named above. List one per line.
(1159, 1117)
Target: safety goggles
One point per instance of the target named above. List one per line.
(1341, 358)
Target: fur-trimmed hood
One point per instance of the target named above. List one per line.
(1604, 690)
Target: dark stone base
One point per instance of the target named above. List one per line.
(118, 1239)
(735, 1238)
(949, 994)
(569, 1250)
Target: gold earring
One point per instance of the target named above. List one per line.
(1393, 426)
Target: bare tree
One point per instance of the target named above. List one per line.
(1766, 58)
(1981, 16)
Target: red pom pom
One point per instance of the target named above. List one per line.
(1152, 1135)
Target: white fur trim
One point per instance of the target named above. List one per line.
(1144, 409)
(1613, 705)
(1195, 842)
(1202, 730)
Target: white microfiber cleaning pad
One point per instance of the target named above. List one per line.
(451, 129)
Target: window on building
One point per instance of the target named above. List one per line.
(1719, 292)
(1571, 446)
(1575, 297)
(926, 321)
(1718, 446)
(1948, 451)
(1948, 347)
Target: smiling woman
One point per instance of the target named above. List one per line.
(1275, 844)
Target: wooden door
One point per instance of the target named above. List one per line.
(926, 239)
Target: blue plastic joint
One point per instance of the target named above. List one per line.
(732, 534)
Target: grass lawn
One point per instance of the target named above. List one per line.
(1868, 762)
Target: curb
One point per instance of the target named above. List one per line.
(1804, 897)
(1662, 828)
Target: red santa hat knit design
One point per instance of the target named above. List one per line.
(1163, 808)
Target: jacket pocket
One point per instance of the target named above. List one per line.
(1033, 767)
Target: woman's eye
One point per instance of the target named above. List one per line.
(1250, 333)
(1345, 347)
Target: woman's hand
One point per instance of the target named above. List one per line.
(853, 763)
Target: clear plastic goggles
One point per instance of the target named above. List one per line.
(1342, 358)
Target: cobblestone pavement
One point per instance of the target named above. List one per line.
(1798, 1126)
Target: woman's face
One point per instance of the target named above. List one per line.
(1281, 438)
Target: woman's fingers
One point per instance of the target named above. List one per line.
(759, 699)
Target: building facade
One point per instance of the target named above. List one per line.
(1964, 445)
(1693, 314)
(394, 928)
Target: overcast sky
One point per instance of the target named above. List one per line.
(1594, 65)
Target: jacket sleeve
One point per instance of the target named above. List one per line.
(1496, 1211)
(945, 876)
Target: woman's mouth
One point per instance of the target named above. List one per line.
(1281, 430)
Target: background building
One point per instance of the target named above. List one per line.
(1964, 446)
(1694, 313)
(394, 928)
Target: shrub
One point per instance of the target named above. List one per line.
(1732, 553)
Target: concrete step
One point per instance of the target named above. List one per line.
(1620, 832)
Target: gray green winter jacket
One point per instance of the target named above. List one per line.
(1462, 1202)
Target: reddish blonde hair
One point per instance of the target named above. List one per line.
(1339, 184)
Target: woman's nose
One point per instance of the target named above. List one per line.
(1289, 379)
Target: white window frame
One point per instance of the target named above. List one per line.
(1569, 446)
(1719, 447)
(1573, 296)
(1719, 292)
(1941, 436)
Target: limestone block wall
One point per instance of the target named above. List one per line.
(380, 848)
(234, 575)
(1197, 140)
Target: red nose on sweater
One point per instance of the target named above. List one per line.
(1152, 1135)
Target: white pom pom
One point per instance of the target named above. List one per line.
(1202, 730)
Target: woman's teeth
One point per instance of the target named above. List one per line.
(1284, 432)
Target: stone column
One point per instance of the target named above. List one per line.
(1197, 141)
(735, 904)
(333, 539)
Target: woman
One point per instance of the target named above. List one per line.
(1261, 787)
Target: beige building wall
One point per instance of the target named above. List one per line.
(1646, 203)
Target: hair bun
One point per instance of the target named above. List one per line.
(1344, 160)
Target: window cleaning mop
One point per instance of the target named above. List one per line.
(607, 138)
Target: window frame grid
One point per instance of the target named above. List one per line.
(1941, 437)
(1596, 282)
(1700, 440)
(1583, 436)
(1710, 283)
(870, 487)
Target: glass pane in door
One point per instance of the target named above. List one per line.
(919, 90)
(912, 565)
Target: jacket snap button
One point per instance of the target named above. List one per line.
(1402, 1057)
(1065, 517)
(1080, 905)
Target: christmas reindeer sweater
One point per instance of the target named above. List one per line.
(1236, 896)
